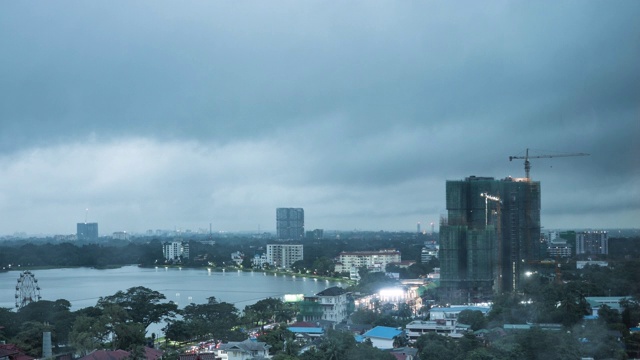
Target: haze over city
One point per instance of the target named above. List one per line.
(160, 115)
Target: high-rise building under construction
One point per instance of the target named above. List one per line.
(490, 235)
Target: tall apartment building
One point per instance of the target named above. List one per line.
(290, 223)
(87, 231)
(283, 255)
(592, 242)
(175, 250)
(485, 244)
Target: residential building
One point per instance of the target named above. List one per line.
(352, 261)
(331, 304)
(237, 257)
(120, 235)
(582, 264)
(283, 255)
(592, 243)
(382, 337)
(559, 249)
(448, 327)
(428, 253)
(244, 350)
(490, 235)
(259, 260)
(175, 250)
(87, 231)
(290, 223)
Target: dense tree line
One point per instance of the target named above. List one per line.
(319, 255)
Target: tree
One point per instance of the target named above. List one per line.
(143, 305)
(270, 310)
(216, 319)
(281, 340)
(88, 334)
(29, 339)
(473, 318)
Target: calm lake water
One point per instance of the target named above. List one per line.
(83, 286)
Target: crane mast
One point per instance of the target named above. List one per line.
(527, 163)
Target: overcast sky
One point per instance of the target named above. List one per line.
(177, 114)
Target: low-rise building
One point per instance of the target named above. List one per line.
(352, 261)
(382, 337)
(237, 257)
(244, 350)
(448, 327)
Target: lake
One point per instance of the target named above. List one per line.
(84, 286)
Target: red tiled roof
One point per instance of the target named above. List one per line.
(150, 353)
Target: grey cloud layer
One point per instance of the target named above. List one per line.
(356, 110)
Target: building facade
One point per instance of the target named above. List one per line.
(283, 255)
(87, 231)
(351, 261)
(290, 223)
(490, 234)
(175, 250)
(592, 243)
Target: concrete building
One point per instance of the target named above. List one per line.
(490, 234)
(592, 243)
(335, 304)
(259, 260)
(87, 231)
(290, 223)
(283, 255)
(352, 261)
(175, 250)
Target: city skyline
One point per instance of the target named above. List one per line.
(185, 115)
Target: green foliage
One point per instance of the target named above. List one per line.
(88, 333)
(29, 338)
(338, 345)
(281, 340)
(143, 305)
(55, 313)
(270, 310)
(473, 318)
(218, 320)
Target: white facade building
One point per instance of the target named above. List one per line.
(334, 302)
(175, 250)
(283, 255)
(352, 261)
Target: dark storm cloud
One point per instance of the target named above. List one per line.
(364, 109)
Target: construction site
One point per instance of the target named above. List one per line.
(491, 234)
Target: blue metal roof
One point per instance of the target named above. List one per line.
(306, 330)
(383, 332)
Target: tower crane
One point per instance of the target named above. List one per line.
(488, 197)
(527, 163)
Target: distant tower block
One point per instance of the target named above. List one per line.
(418, 227)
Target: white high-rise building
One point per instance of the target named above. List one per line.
(175, 250)
(283, 255)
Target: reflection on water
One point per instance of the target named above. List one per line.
(83, 286)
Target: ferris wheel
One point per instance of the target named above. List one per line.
(27, 289)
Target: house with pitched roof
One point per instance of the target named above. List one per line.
(244, 350)
(382, 337)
